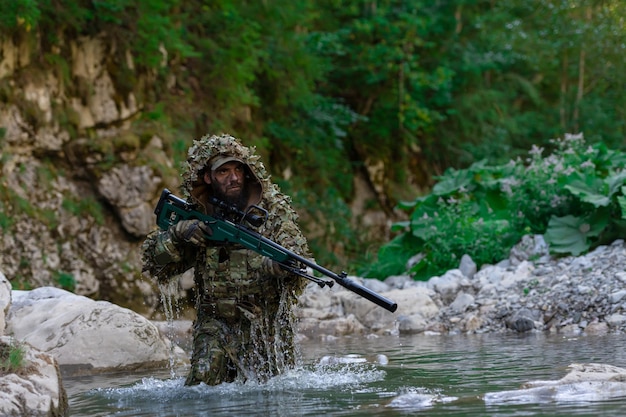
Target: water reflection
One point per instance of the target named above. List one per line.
(422, 375)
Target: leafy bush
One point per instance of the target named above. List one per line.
(576, 197)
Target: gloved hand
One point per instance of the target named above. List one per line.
(271, 267)
(191, 231)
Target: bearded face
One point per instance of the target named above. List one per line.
(228, 182)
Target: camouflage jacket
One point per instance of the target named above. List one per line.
(229, 272)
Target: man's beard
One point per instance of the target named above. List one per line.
(240, 200)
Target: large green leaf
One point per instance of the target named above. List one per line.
(494, 204)
(616, 182)
(621, 200)
(425, 206)
(400, 226)
(589, 189)
(453, 181)
(570, 234)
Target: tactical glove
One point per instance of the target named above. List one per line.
(191, 231)
(271, 267)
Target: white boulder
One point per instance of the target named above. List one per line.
(86, 335)
(33, 389)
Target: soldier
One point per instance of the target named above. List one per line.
(244, 327)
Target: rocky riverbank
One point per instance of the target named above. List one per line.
(529, 292)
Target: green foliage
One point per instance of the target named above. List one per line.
(5, 221)
(332, 238)
(65, 280)
(329, 88)
(84, 206)
(383, 65)
(18, 13)
(20, 282)
(530, 70)
(11, 357)
(392, 257)
(151, 29)
(575, 196)
(6, 218)
(323, 125)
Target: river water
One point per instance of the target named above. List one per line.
(429, 375)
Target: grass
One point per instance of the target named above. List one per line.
(11, 357)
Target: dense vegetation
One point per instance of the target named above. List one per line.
(575, 197)
(394, 91)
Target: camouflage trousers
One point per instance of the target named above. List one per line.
(246, 345)
(213, 359)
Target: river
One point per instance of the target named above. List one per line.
(430, 375)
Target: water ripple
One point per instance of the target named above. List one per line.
(422, 375)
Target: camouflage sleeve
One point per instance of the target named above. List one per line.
(283, 229)
(163, 260)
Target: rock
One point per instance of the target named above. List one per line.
(399, 281)
(617, 296)
(178, 331)
(128, 189)
(35, 389)
(584, 382)
(529, 248)
(415, 300)
(462, 302)
(375, 285)
(522, 320)
(467, 266)
(320, 303)
(84, 335)
(413, 324)
(448, 285)
(597, 329)
(339, 326)
(568, 295)
(580, 372)
(616, 320)
(471, 323)
(5, 301)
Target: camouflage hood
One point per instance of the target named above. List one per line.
(204, 151)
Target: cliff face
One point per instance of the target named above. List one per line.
(79, 178)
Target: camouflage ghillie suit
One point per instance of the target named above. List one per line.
(244, 329)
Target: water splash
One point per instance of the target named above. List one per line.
(269, 348)
(301, 378)
(168, 290)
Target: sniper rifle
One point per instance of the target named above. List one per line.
(230, 227)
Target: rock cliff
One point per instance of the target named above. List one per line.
(78, 180)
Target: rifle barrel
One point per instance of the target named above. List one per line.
(340, 279)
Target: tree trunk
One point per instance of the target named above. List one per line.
(563, 110)
(581, 79)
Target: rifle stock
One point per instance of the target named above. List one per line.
(171, 209)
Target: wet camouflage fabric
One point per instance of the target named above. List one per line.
(244, 329)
